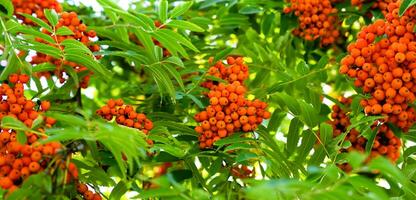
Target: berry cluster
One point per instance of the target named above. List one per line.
(36, 7)
(242, 172)
(81, 34)
(386, 68)
(379, 4)
(18, 161)
(229, 111)
(86, 193)
(385, 143)
(317, 19)
(236, 71)
(126, 115)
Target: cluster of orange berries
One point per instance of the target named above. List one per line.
(81, 34)
(126, 115)
(18, 161)
(236, 71)
(386, 69)
(31, 7)
(87, 193)
(379, 4)
(242, 172)
(229, 111)
(385, 143)
(317, 19)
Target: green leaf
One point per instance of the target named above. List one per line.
(287, 22)
(406, 4)
(370, 138)
(21, 137)
(174, 36)
(179, 175)
(309, 114)
(171, 45)
(33, 32)
(37, 122)
(317, 157)
(190, 164)
(72, 74)
(302, 68)
(175, 60)
(163, 10)
(275, 152)
(247, 10)
(293, 135)
(158, 192)
(64, 31)
(377, 14)
(232, 140)
(325, 133)
(291, 103)
(322, 62)
(173, 72)
(136, 19)
(11, 25)
(356, 159)
(75, 46)
(237, 146)
(221, 55)
(90, 63)
(52, 16)
(38, 22)
(233, 21)
(185, 25)
(215, 166)
(409, 151)
(42, 48)
(181, 9)
(72, 120)
(267, 23)
(12, 67)
(44, 67)
(145, 39)
(308, 140)
(162, 80)
(244, 156)
(386, 168)
(13, 123)
(119, 190)
(276, 120)
(196, 101)
(179, 127)
(6, 8)
(362, 183)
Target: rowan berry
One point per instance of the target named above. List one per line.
(34, 167)
(228, 104)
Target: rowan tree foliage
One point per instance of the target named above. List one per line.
(208, 99)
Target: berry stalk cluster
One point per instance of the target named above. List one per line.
(18, 160)
(229, 111)
(126, 115)
(382, 63)
(317, 20)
